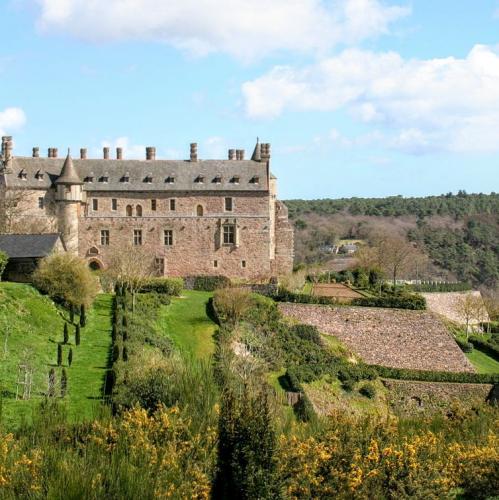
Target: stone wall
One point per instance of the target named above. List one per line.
(447, 304)
(409, 398)
(390, 337)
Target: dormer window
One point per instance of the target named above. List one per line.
(89, 178)
(23, 175)
(126, 177)
(39, 175)
(235, 179)
(104, 178)
(199, 179)
(217, 179)
(148, 178)
(255, 179)
(170, 179)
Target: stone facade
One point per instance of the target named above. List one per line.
(389, 337)
(195, 217)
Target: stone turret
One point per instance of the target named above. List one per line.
(69, 197)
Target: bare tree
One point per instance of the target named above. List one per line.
(471, 309)
(130, 267)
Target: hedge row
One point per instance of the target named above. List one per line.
(302, 298)
(409, 301)
(441, 287)
(434, 376)
(486, 347)
(168, 286)
(464, 346)
(210, 283)
(304, 410)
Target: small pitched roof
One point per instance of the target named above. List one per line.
(23, 246)
(68, 173)
(257, 152)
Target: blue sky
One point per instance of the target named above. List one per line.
(357, 97)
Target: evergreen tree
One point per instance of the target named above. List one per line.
(64, 383)
(66, 334)
(70, 356)
(51, 385)
(59, 354)
(77, 335)
(83, 316)
(71, 314)
(124, 334)
(125, 353)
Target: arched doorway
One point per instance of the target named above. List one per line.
(129, 210)
(95, 265)
(199, 211)
(138, 211)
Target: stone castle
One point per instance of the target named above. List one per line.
(194, 217)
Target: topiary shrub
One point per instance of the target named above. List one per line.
(83, 316)
(4, 259)
(70, 357)
(211, 283)
(59, 354)
(368, 390)
(116, 352)
(464, 346)
(168, 286)
(77, 335)
(66, 333)
(64, 383)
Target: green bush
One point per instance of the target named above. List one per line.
(211, 283)
(301, 298)
(368, 390)
(4, 259)
(348, 385)
(395, 301)
(485, 346)
(435, 376)
(303, 409)
(168, 286)
(307, 332)
(441, 287)
(464, 346)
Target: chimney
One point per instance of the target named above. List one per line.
(119, 153)
(36, 152)
(49, 153)
(265, 148)
(232, 154)
(105, 152)
(239, 154)
(83, 153)
(54, 152)
(7, 150)
(150, 153)
(194, 151)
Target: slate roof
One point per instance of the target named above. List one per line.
(22, 246)
(42, 173)
(68, 173)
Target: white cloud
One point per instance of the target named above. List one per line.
(11, 119)
(429, 104)
(246, 29)
(130, 151)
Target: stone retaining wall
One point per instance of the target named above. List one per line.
(390, 337)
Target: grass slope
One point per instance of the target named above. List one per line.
(31, 325)
(482, 362)
(187, 323)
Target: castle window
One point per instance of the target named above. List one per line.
(23, 175)
(114, 204)
(104, 178)
(138, 211)
(129, 210)
(125, 178)
(137, 237)
(199, 179)
(255, 179)
(168, 237)
(235, 179)
(39, 175)
(170, 179)
(148, 179)
(215, 263)
(172, 205)
(95, 204)
(228, 204)
(229, 234)
(153, 205)
(243, 264)
(89, 178)
(217, 179)
(199, 210)
(104, 237)
(41, 203)
(159, 264)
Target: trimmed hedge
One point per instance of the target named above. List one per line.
(301, 298)
(486, 347)
(409, 301)
(434, 376)
(210, 283)
(304, 410)
(168, 286)
(464, 346)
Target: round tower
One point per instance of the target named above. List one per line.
(68, 198)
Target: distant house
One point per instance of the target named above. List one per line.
(349, 248)
(25, 251)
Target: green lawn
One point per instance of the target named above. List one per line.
(482, 362)
(30, 328)
(186, 322)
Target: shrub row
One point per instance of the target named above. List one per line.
(487, 347)
(304, 410)
(434, 376)
(441, 287)
(464, 346)
(302, 298)
(210, 283)
(396, 301)
(168, 286)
